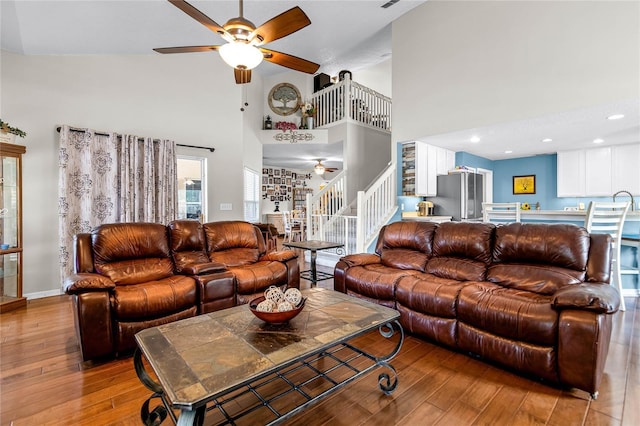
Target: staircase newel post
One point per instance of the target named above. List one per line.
(308, 218)
(360, 233)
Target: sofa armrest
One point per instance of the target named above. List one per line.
(293, 272)
(79, 283)
(599, 298)
(203, 268)
(360, 259)
(280, 256)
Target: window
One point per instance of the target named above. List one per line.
(251, 195)
(191, 186)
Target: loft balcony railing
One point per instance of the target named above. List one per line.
(350, 101)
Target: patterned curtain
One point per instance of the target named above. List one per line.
(148, 180)
(95, 170)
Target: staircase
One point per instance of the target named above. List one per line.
(331, 218)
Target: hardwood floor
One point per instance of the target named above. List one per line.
(44, 382)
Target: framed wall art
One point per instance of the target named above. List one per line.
(524, 184)
(284, 99)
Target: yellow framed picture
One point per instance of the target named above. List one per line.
(524, 184)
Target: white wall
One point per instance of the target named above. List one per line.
(464, 64)
(376, 77)
(191, 98)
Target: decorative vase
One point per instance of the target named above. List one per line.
(309, 122)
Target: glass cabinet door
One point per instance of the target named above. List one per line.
(11, 227)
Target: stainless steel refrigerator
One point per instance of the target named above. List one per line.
(459, 195)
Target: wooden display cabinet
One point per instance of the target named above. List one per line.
(11, 227)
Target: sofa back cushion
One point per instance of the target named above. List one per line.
(406, 245)
(541, 258)
(186, 239)
(462, 250)
(132, 253)
(234, 243)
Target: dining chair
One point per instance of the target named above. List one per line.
(501, 212)
(608, 218)
(291, 229)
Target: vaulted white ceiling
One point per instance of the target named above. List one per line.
(342, 34)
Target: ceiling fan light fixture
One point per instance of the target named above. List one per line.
(241, 55)
(318, 168)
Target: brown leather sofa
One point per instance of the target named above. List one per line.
(131, 276)
(532, 297)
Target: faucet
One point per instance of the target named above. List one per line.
(633, 203)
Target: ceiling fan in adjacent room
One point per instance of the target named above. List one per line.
(320, 168)
(243, 49)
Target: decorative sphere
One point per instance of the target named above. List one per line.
(266, 306)
(284, 306)
(274, 294)
(293, 296)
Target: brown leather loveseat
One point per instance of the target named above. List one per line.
(131, 276)
(532, 297)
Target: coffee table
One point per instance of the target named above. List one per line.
(229, 365)
(313, 274)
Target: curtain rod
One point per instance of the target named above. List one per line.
(141, 139)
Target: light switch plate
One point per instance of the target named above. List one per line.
(226, 206)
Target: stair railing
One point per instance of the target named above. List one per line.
(325, 207)
(375, 207)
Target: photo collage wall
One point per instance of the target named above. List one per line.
(278, 184)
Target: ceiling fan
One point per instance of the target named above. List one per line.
(243, 50)
(320, 168)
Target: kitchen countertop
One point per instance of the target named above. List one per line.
(569, 215)
(429, 218)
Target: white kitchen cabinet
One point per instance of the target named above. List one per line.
(445, 159)
(598, 172)
(571, 173)
(625, 168)
(431, 161)
(426, 167)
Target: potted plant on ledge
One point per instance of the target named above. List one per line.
(8, 133)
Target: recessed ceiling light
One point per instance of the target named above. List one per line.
(508, 151)
(475, 139)
(547, 140)
(598, 140)
(615, 117)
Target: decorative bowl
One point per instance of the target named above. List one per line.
(275, 317)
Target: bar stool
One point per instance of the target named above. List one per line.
(630, 240)
(608, 218)
(501, 212)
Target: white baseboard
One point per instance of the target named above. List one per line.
(41, 294)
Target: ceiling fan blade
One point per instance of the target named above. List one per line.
(186, 49)
(242, 76)
(198, 16)
(282, 25)
(290, 61)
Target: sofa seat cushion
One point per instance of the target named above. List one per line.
(514, 314)
(155, 298)
(375, 281)
(428, 294)
(258, 276)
